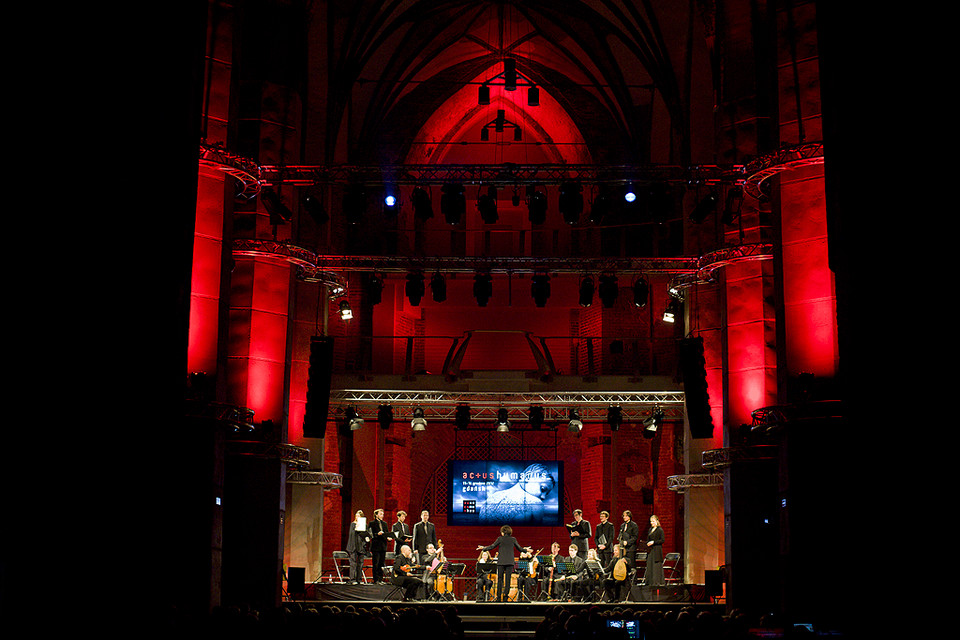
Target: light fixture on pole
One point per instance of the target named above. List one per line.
(575, 425)
(419, 423)
(614, 418)
(346, 313)
(652, 424)
(503, 423)
(353, 419)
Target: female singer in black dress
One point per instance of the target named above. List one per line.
(653, 576)
(505, 544)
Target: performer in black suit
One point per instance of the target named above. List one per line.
(404, 568)
(357, 540)
(629, 534)
(505, 545)
(401, 532)
(653, 575)
(605, 538)
(378, 544)
(580, 532)
(424, 533)
(570, 577)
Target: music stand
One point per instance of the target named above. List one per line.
(523, 569)
(545, 562)
(594, 568)
(566, 569)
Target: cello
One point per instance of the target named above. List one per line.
(443, 584)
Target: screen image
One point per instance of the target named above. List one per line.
(498, 492)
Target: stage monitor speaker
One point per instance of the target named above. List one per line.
(694, 374)
(713, 581)
(296, 580)
(318, 387)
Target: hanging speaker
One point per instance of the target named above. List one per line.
(694, 374)
(296, 579)
(318, 387)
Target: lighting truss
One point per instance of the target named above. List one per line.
(694, 480)
(442, 405)
(325, 479)
(292, 455)
(246, 172)
(765, 167)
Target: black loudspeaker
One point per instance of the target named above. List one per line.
(694, 374)
(318, 387)
(296, 580)
(713, 581)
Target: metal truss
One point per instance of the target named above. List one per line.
(245, 171)
(767, 166)
(506, 174)
(484, 406)
(290, 454)
(723, 458)
(694, 480)
(325, 479)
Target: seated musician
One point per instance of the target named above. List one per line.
(429, 576)
(549, 573)
(404, 568)
(613, 588)
(593, 576)
(484, 581)
(572, 575)
(527, 579)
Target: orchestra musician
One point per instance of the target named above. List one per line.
(378, 544)
(580, 532)
(527, 580)
(593, 576)
(427, 561)
(571, 577)
(613, 588)
(605, 538)
(404, 568)
(506, 544)
(484, 582)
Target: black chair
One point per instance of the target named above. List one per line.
(340, 557)
(671, 568)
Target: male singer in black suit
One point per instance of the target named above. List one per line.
(580, 532)
(378, 544)
(629, 534)
(424, 533)
(605, 538)
(401, 532)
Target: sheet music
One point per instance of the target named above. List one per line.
(361, 524)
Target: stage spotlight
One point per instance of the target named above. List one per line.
(630, 194)
(503, 424)
(641, 292)
(571, 202)
(652, 424)
(704, 208)
(315, 208)
(353, 419)
(608, 290)
(536, 206)
(540, 289)
(279, 212)
(385, 416)
(586, 292)
(483, 288)
(374, 288)
(419, 423)
(453, 203)
(672, 311)
(614, 418)
(354, 203)
(345, 312)
(438, 287)
(483, 96)
(575, 425)
(536, 417)
(487, 205)
(414, 288)
(391, 201)
(462, 416)
(422, 208)
(517, 134)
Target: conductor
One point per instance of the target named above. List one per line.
(505, 545)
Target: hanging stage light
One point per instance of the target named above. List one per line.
(385, 416)
(614, 418)
(453, 203)
(601, 207)
(586, 292)
(575, 425)
(503, 423)
(483, 98)
(641, 292)
(422, 208)
(704, 208)
(509, 74)
(354, 421)
(536, 205)
(630, 194)
(438, 287)
(540, 289)
(414, 288)
(672, 311)
(345, 312)
(391, 200)
(462, 416)
(419, 422)
(652, 424)
(570, 202)
(483, 288)
(608, 290)
(279, 212)
(536, 417)
(487, 205)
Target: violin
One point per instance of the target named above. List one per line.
(534, 562)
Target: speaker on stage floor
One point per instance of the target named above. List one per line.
(296, 580)
(713, 583)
